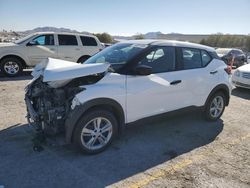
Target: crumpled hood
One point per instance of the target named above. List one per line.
(59, 70)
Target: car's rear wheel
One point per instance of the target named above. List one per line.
(11, 66)
(215, 106)
(95, 131)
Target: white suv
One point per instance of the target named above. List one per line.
(122, 84)
(31, 50)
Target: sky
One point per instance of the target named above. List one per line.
(128, 17)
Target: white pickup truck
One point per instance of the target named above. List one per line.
(31, 50)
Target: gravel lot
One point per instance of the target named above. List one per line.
(177, 151)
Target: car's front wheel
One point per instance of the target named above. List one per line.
(95, 131)
(11, 66)
(215, 106)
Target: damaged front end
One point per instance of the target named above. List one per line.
(49, 95)
(48, 107)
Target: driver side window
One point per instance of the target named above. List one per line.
(161, 59)
(44, 40)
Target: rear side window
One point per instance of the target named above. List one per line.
(205, 58)
(214, 55)
(44, 40)
(67, 40)
(88, 41)
(191, 58)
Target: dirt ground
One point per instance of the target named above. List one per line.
(176, 151)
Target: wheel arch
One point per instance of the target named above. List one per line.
(101, 103)
(15, 56)
(220, 88)
(84, 56)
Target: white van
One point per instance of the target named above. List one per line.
(31, 50)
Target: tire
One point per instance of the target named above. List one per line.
(83, 59)
(11, 66)
(211, 114)
(90, 141)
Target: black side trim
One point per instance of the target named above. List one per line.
(158, 117)
(75, 114)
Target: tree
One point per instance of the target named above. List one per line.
(248, 43)
(139, 36)
(104, 37)
(203, 41)
(226, 41)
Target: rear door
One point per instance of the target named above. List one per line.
(198, 76)
(68, 47)
(41, 47)
(89, 45)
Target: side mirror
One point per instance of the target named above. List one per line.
(143, 70)
(31, 43)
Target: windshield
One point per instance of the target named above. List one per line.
(222, 51)
(24, 39)
(117, 55)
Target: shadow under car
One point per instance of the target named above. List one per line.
(242, 93)
(141, 147)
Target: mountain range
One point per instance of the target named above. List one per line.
(53, 29)
(170, 36)
(150, 35)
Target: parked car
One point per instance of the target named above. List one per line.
(31, 50)
(105, 45)
(241, 77)
(226, 53)
(126, 82)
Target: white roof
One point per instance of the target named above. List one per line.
(170, 43)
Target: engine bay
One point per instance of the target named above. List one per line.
(48, 107)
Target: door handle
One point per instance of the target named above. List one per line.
(52, 49)
(175, 82)
(77, 49)
(213, 72)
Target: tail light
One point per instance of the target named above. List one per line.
(228, 70)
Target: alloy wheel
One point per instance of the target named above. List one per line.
(216, 106)
(96, 133)
(11, 67)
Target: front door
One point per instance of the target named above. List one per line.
(40, 48)
(159, 92)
